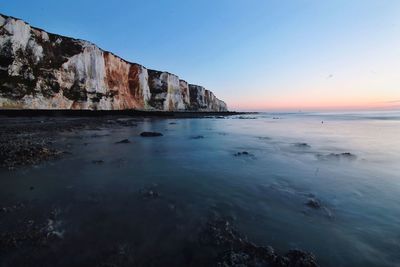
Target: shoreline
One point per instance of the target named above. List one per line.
(101, 113)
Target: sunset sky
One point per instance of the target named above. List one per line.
(255, 55)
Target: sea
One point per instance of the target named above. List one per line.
(326, 183)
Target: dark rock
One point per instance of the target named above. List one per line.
(21, 150)
(150, 134)
(348, 155)
(238, 251)
(337, 156)
(12, 208)
(239, 259)
(313, 203)
(98, 161)
(298, 258)
(31, 233)
(125, 141)
(149, 192)
(243, 153)
(302, 145)
(220, 232)
(197, 137)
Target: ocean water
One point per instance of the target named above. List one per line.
(292, 157)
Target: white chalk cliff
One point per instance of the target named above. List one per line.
(40, 70)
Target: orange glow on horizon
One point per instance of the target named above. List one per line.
(315, 104)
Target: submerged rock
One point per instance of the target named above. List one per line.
(32, 233)
(149, 192)
(243, 153)
(264, 138)
(12, 208)
(313, 203)
(337, 156)
(124, 141)
(302, 145)
(150, 134)
(197, 137)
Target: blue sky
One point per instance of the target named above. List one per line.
(255, 54)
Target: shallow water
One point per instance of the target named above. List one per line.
(264, 193)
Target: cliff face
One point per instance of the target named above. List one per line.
(40, 70)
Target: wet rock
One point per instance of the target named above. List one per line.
(313, 203)
(302, 145)
(149, 192)
(237, 251)
(197, 137)
(243, 153)
(118, 255)
(264, 138)
(337, 156)
(346, 155)
(31, 233)
(21, 151)
(12, 208)
(239, 259)
(150, 134)
(220, 232)
(124, 141)
(172, 123)
(298, 258)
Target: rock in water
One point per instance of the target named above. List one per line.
(125, 141)
(41, 70)
(313, 203)
(197, 137)
(150, 134)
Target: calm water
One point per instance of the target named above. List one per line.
(264, 193)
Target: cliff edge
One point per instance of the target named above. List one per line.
(41, 70)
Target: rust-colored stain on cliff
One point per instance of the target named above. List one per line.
(134, 83)
(119, 79)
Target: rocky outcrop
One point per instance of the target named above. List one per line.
(41, 70)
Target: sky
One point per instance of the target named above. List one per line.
(260, 55)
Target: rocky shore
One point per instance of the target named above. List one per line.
(26, 226)
(30, 140)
